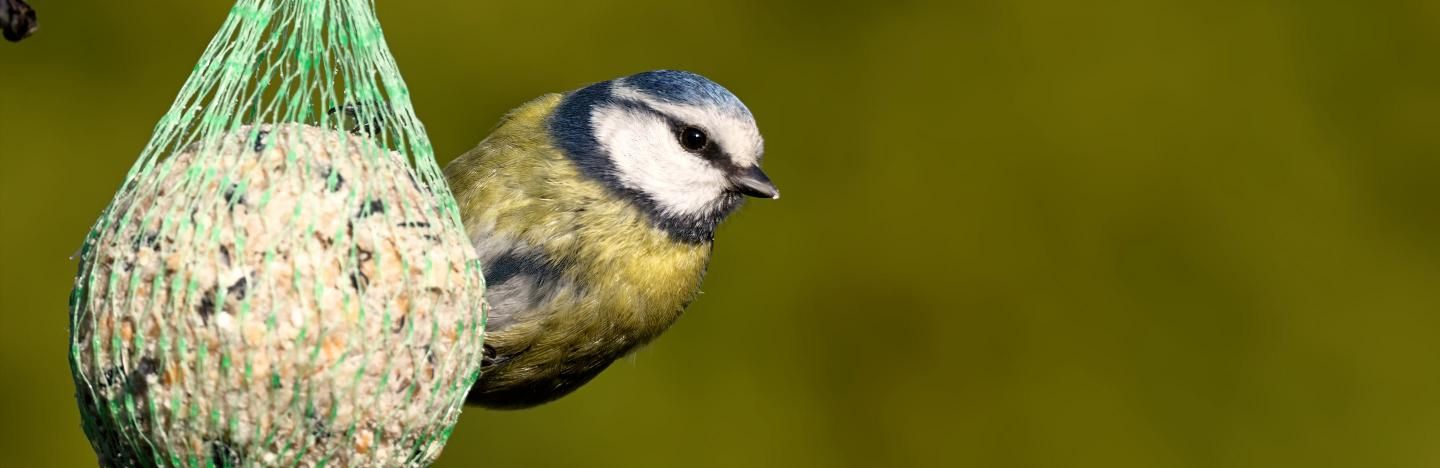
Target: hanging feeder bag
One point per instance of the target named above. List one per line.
(282, 278)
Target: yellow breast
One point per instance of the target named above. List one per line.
(614, 280)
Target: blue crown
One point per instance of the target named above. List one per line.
(685, 87)
(573, 131)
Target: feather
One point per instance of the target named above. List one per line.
(578, 275)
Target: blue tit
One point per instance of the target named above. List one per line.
(594, 214)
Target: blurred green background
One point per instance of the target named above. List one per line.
(1014, 233)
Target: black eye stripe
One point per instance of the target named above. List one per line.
(712, 152)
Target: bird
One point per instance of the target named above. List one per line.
(593, 213)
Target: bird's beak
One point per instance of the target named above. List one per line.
(753, 182)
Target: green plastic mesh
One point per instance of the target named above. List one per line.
(282, 278)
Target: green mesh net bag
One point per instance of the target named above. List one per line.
(282, 278)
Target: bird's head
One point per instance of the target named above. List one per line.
(680, 146)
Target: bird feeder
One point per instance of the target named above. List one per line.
(282, 278)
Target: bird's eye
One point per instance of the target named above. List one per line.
(693, 139)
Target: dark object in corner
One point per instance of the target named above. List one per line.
(17, 20)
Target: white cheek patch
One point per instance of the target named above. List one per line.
(648, 159)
